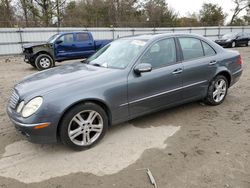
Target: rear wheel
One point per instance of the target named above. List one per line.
(43, 62)
(233, 45)
(83, 126)
(217, 90)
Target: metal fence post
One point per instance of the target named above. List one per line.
(154, 30)
(133, 31)
(113, 33)
(219, 32)
(21, 38)
(205, 35)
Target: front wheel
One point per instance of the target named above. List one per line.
(233, 45)
(43, 62)
(217, 90)
(83, 126)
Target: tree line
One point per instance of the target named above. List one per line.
(112, 13)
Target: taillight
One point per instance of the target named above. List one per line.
(239, 61)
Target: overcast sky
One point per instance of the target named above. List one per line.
(185, 6)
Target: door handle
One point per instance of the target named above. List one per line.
(212, 62)
(177, 71)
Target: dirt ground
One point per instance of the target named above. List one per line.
(190, 146)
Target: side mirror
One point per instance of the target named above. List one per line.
(59, 41)
(142, 67)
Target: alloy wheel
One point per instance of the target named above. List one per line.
(233, 44)
(220, 89)
(85, 128)
(45, 62)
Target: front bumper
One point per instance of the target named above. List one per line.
(224, 43)
(29, 58)
(45, 135)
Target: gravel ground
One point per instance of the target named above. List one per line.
(191, 146)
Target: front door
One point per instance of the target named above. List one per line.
(160, 87)
(65, 49)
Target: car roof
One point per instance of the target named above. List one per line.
(159, 35)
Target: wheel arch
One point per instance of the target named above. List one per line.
(99, 102)
(227, 75)
(44, 52)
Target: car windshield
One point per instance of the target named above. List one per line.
(229, 36)
(117, 54)
(52, 38)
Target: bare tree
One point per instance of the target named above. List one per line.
(240, 5)
(7, 13)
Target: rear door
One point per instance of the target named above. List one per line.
(199, 65)
(160, 87)
(84, 45)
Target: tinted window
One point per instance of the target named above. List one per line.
(161, 54)
(208, 50)
(81, 37)
(191, 48)
(68, 38)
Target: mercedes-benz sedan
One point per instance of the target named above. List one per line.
(128, 78)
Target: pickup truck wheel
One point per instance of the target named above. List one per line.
(217, 91)
(43, 62)
(83, 126)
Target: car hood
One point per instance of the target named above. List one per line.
(32, 45)
(63, 76)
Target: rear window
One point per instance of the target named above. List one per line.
(208, 50)
(191, 48)
(81, 37)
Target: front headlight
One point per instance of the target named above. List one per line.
(20, 107)
(32, 106)
(228, 40)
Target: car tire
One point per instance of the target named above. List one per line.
(44, 61)
(79, 131)
(217, 91)
(233, 45)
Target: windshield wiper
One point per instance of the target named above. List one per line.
(96, 64)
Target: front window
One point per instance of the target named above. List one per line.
(160, 54)
(67, 38)
(117, 54)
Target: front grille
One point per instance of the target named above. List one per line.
(27, 51)
(14, 98)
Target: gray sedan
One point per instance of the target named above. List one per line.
(129, 77)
